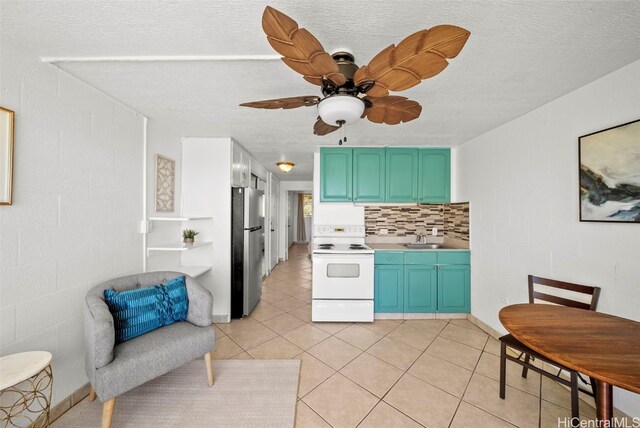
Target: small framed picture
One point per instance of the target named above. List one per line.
(7, 129)
(610, 174)
(165, 184)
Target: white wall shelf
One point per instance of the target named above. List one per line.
(193, 271)
(179, 218)
(178, 246)
(166, 254)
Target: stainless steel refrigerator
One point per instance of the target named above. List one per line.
(247, 249)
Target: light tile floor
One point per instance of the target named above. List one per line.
(432, 373)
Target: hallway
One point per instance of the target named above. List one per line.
(435, 373)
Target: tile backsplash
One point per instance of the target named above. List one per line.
(404, 220)
(452, 220)
(456, 220)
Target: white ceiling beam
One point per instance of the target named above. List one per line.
(162, 58)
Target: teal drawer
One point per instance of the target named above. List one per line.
(388, 257)
(453, 257)
(420, 257)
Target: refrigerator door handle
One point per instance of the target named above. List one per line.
(253, 229)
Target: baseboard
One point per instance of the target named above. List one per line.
(387, 316)
(451, 316)
(67, 403)
(483, 326)
(221, 319)
(430, 316)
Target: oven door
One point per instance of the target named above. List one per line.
(343, 276)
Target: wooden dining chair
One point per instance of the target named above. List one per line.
(557, 293)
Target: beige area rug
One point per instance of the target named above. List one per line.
(246, 393)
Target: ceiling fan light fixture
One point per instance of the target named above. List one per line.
(337, 108)
(285, 166)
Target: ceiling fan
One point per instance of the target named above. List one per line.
(420, 56)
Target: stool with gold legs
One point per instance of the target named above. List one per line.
(26, 382)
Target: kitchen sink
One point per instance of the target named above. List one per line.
(417, 246)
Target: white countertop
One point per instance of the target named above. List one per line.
(401, 247)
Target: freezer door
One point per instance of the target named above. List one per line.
(253, 209)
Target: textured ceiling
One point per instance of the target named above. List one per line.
(521, 54)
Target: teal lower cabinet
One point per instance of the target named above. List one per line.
(453, 289)
(389, 289)
(422, 282)
(420, 289)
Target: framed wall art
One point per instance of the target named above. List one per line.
(610, 174)
(165, 184)
(7, 129)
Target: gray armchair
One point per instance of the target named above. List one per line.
(115, 369)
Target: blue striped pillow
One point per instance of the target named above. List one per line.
(139, 311)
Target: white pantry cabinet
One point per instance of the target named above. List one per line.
(240, 166)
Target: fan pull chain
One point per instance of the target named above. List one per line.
(343, 126)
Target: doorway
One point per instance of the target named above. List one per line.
(299, 218)
(289, 191)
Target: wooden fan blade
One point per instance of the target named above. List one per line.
(300, 49)
(420, 56)
(323, 128)
(285, 103)
(392, 109)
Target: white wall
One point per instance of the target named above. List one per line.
(207, 192)
(522, 183)
(77, 204)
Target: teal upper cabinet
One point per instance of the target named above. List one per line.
(369, 175)
(335, 174)
(402, 173)
(434, 175)
(385, 175)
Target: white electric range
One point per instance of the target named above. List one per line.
(342, 287)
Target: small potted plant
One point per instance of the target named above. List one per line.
(188, 235)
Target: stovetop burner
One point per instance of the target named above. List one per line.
(357, 247)
(325, 246)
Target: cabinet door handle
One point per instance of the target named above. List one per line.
(376, 267)
(389, 258)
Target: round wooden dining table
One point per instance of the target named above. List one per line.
(602, 346)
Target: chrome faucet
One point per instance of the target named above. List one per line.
(421, 239)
